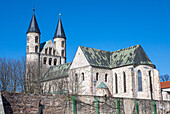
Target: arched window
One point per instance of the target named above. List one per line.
(105, 77)
(45, 60)
(54, 42)
(53, 52)
(62, 53)
(46, 50)
(139, 80)
(124, 78)
(82, 76)
(116, 86)
(55, 61)
(50, 60)
(97, 76)
(62, 44)
(36, 49)
(27, 48)
(50, 50)
(36, 39)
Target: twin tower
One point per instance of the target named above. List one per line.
(46, 53)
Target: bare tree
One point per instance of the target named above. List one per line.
(164, 77)
(75, 83)
(12, 73)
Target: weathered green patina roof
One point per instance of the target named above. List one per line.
(102, 85)
(42, 45)
(55, 72)
(127, 56)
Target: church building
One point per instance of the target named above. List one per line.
(127, 72)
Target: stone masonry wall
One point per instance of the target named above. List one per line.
(19, 103)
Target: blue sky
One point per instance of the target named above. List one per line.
(103, 24)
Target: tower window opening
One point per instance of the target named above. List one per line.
(46, 50)
(50, 51)
(97, 76)
(105, 77)
(45, 60)
(50, 60)
(55, 61)
(62, 53)
(54, 42)
(36, 49)
(62, 44)
(124, 77)
(36, 39)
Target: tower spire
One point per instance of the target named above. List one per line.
(33, 27)
(59, 33)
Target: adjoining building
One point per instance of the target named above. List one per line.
(126, 72)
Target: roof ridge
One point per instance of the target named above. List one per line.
(126, 48)
(95, 49)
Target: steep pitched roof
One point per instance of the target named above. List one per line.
(127, 56)
(96, 57)
(59, 33)
(102, 85)
(56, 72)
(33, 27)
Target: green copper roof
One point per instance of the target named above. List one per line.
(102, 85)
(122, 57)
(42, 45)
(55, 72)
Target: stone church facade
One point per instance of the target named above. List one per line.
(125, 73)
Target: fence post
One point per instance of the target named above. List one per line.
(96, 105)
(137, 108)
(74, 104)
(154, 107)
(118, 106)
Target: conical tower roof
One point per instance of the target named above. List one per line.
(59, 33)
(33, 27)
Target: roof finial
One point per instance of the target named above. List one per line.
(33, 8)
(59, 14)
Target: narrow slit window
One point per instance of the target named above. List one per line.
(82, 76)
(50, 61)
(105, 77)
(116, 86)
(97, 76)
(139, 80)
(124, 77)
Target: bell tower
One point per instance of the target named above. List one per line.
(33, 56)
(60, 41)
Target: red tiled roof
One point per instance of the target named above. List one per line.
(165, 84)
